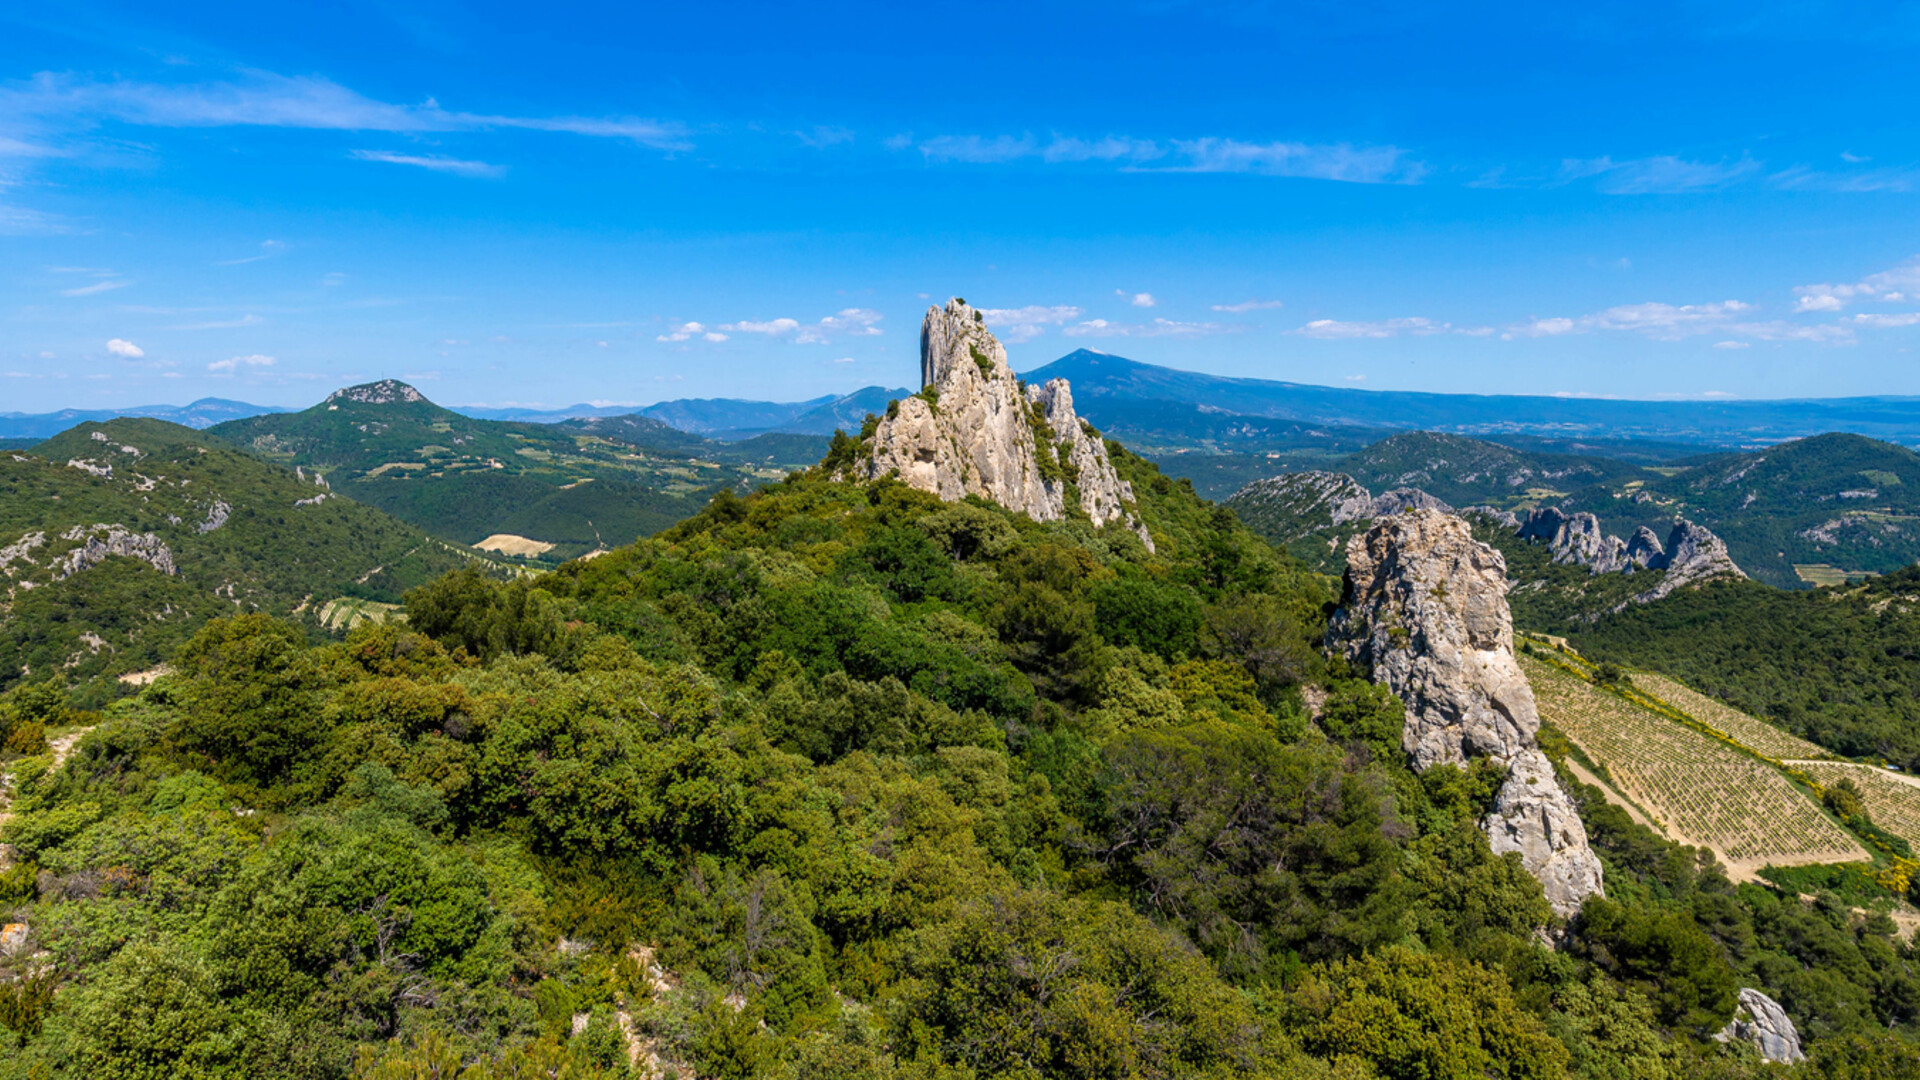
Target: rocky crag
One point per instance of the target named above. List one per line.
(1691, 554)
(975, 429)
(1424, 609)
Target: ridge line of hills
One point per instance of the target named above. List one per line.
(1120, 393)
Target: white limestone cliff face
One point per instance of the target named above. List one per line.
(1425, 609)
(982, 434)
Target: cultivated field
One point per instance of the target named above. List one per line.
(1893, 800)
(1745, 730)
(1699, 791)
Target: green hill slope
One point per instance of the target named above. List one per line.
(578, 486)
(119, 539)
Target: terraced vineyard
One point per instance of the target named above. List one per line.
(1754, 734)
(1893, 801)
(1702, 792)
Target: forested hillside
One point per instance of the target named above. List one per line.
(561, 489)
(119, 539)
(839, 780)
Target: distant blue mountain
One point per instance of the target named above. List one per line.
(541, 416)
(200, 415)
(732, 418)
(1113, 386)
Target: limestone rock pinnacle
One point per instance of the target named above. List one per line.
(1425, 609)
(975, 430)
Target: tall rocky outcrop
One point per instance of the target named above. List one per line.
(1425, 609)
(976, 430)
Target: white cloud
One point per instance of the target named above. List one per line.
(265, 99)
(235, 363)
(268, 249)
(1139, 299)
(1888, 286)
(97, 287)
(1156, 328)
(1677, 322)
(456, 166)
(1023, 324)
(1333, 161)
(1732, 345)
(977, 150)
(1336, 330)
(123, 347)
(221, 324)
(770, 327)
(1882, 322)
(858, 322)
(689, 331)
(1664, 322)
(844, 360)
(1663, 175)
(1338, 161)
(1245, 306)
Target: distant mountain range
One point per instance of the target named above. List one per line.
(1165, 411)
(200, 415)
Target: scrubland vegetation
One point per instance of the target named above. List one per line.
(842, 781)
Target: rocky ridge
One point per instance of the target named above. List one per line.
(1691, 554)
(384, 392)
(975, 429)
(1424, 609)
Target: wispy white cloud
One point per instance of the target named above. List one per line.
(690, 330)
(221, 324)
(1804, 178)
(1022, 324)
(1888, 321)
(456, 166)
(235, 363)
(1409, 326)
(1677, 322)
(97, 287)
(769, 327)
(851, 322)
(1889, 286)
(1156, 328)
(1666, 322)
(125, 348)
(1661, 175)
(1138, 299)
(1333, 161)
(1245, 306)
(266, 99)
(1732, 345)
(1336, 161)
(268, 249)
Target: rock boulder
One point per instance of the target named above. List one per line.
(1761, 1021)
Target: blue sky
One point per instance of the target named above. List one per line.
(557, 203)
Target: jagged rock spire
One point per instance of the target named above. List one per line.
(975, 430)
(1425, 609)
